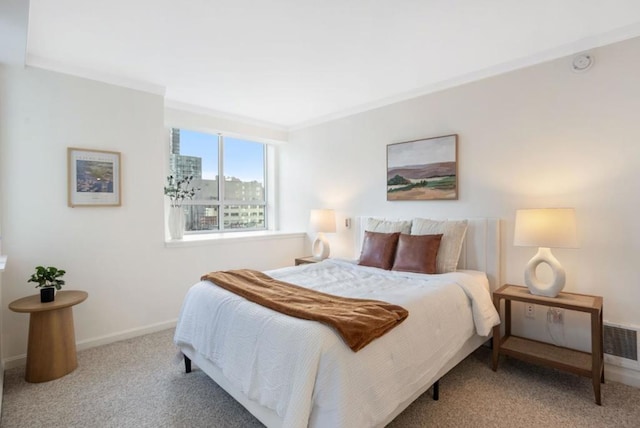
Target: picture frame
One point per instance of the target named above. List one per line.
(422, 170)
(93, 178)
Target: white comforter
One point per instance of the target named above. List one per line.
(305, 372)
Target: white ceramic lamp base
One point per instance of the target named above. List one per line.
(320, 248)
(536, 286)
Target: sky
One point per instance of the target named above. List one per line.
(242, 158)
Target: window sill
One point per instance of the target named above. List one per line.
(225, 238)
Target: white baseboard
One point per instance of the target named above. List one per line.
(21, 360)
(127, 334)
(622, 375)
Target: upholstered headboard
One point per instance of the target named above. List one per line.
(480, 248)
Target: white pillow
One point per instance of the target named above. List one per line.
(388, 226)
(453, 233)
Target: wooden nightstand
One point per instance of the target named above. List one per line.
(51, 351)
(306, 260)
(578, 362)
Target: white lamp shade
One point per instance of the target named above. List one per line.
(323, 221)
(546, 227)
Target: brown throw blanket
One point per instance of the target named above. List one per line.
(359, 321)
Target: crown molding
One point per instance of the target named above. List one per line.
(568, 49)
(112, 79)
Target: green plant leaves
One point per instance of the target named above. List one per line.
(48, 277)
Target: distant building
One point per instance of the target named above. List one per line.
(184, 166)
(243, 216)
(175, 141)
(203, 215)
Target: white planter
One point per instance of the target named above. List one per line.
(176, 222)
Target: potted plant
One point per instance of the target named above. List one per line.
(48, 280)
(178, 189)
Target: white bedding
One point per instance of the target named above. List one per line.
(304, 371)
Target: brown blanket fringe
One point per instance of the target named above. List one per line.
(359, 321)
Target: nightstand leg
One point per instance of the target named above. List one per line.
(596, 354)
(596, 392)
(496, 336)
(507, 318)
(602, 345)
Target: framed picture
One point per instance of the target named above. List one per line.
(423, 169)
(93, 178)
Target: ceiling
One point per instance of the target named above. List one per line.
(292, 63)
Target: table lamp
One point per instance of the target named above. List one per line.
(322, 221)
(545, 228)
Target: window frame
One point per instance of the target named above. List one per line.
(222, 205)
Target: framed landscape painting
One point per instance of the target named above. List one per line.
(93, 178)
(423, 169)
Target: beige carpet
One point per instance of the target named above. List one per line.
(139, 383)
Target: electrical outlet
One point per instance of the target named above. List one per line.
(530, 310)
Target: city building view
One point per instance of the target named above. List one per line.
(243, 202)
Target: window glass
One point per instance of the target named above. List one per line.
(236, 203)
(196, 153)
(243, 170)
(201, 217)
(244, 217)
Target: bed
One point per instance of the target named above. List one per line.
(290, 372)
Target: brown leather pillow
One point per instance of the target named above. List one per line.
(379, 249)
(417, 253)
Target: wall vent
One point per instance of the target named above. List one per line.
(621, 345)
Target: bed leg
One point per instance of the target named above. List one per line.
(187, 364)
(436, 390)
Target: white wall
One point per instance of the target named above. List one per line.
(543, 136)
(117, 254)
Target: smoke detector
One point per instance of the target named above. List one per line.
(582, 63)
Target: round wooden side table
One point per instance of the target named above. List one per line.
(51, 351)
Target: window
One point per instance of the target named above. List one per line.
(238, 201)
